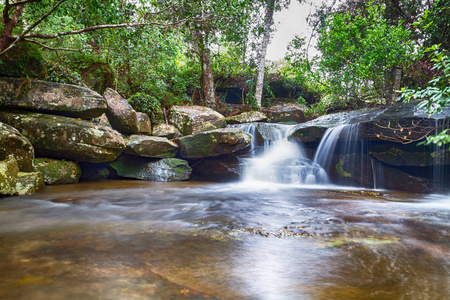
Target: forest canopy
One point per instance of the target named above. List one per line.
(161, 53)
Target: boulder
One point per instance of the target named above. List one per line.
(58, 171)
(223, 168)
(144, 124)
(166, 169)
(102, 120)
(213, 143)
(247, 117)
(13, 143)
(286, 113)
(68, 138)
(61, 99)
(194, 119)
(29, 183)
(167, 131)
(150, 146)
(120, 113)
(9, 169)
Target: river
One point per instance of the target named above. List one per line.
(195, 240)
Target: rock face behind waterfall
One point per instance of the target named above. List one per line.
(386, 138)
(69, 138)
(55, 98)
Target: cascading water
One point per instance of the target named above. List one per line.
(281, 161)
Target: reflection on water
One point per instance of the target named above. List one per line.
(144, 240)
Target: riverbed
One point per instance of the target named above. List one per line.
(195, 240)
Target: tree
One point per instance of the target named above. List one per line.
(357, 51)
(12, 33)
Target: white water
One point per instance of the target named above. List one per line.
(281, 161)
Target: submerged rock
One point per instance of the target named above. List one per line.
(68, 138)
(8, 173)
(120, 113)
(29, 183)
(58, 171)
(61, 99)
(167, 131)
(166, 169)
(151, 146)
(13, 143)
(194, 119)
(247, 117)
(213, 143)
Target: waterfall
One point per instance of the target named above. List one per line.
(344, 142)
(280, 161)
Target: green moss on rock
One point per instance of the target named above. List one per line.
(58, 171)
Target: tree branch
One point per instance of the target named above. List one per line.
(19, 38)
(51, 48)
(20, 3)
(97, 27)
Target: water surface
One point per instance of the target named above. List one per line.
(147, 240)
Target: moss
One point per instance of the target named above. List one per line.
(340, 168)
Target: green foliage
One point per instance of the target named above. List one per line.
(147, 104)
(357, 50)
(437, 93)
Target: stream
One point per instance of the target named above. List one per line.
(123, 239)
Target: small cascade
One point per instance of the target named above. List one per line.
(344, 141)
(280, 161)
(440, 169)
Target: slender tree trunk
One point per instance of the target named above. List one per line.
(208, 89)
(9, 24)
(262, 56)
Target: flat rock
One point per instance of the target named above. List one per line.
(13, 143)
(213, 143)
(68, 138)
(120, 113)
(247, 117)
(167, 131)
(194, 119)
(286, 113)
(61, 99)
(150, 146)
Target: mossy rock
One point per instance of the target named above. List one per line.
(150, 146)
(29, 183)
(8, 173)
(13, 143)
(166, 169)
(58, 171)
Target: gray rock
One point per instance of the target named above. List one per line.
(213, 143)
(62, 99)
(58, 171)
(68, 138)
(13, 143)
(224, 168)
(247, 117)
(286, 113)
(151, 146)
(194, 119)
(121, 115)
(167, 131)
(144, 123)
(166, 169)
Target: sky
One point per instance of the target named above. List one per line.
(289, 22)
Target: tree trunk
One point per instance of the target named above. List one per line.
(392, 83)
(262, 56)
(207, 78)
(9, 24)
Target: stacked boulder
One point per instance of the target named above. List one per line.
(76, 134)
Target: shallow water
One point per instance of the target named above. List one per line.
(147, 240)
